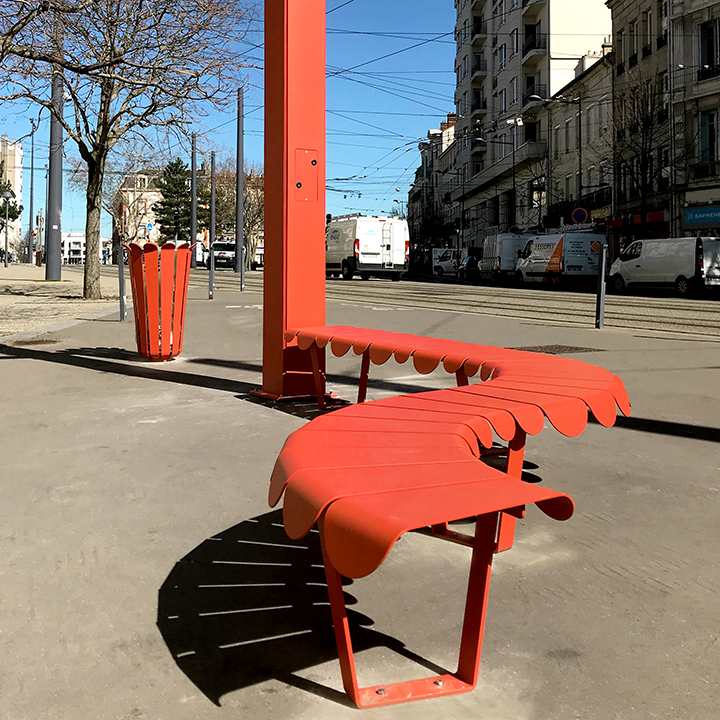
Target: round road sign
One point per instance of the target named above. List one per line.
(579, 216)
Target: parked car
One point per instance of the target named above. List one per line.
(224, 254)
(445, 261)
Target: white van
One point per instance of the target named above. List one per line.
(688, 264)
(367, 245)
(446, 261)
(559, 258)
(500, 256)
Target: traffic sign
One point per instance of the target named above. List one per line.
(149, 227)
(580, 215)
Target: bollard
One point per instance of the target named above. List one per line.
(602, 286)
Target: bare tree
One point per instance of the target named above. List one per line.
(253, 201)
(132, 67)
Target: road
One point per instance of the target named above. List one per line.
(676, 316)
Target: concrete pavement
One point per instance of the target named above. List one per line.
(145, 576)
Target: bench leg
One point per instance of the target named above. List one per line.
(317, 375)
(461, 378)
(364, 373)
(466, 676)
(516, 455)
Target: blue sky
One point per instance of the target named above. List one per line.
(375, 113)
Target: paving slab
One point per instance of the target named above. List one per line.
(146, 577)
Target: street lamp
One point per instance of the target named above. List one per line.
(8, 195)
(401, 203)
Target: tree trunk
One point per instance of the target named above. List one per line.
(93, 207)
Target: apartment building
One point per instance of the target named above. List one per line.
(11, 159)
(133, 215)
(642, 142)
(511, 56)
(694, 79)
(430, 218)
(580, 145)
(73, 248)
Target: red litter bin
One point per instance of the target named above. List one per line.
(159, 279)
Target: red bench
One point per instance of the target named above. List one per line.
(367, 473)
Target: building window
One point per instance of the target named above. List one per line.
(620, 47)
(556, 141)
(502, 145)
(513, 42)
(569, 186)
(513, 91)
(709, 50)
(502, 101)
(567, 135)
(709, 136)
(502, 52)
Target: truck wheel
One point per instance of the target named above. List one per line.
(364, 276)
(617, 284)
(682, 286)
(347, 273)
(396, 277)
(553, 281)
(519, 279)
(439, 272)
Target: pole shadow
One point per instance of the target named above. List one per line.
(249, 604)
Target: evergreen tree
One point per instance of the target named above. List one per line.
(14, 209)
(173, 211)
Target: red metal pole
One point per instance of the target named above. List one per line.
(294, 287)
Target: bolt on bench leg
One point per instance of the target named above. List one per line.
(466, 676)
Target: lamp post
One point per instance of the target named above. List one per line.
(8, 195)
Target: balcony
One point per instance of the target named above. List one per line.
(706, 169)
(647, 51)
(478, 146)
(633, 60)
(661, 41)
(479, 31)
(663, 113)
(479, 67)
(479, 105)
(531, 9)
(530, 95)
(706, 72)
(533, 44)
(478, 5)
(597, 199)
(620, 69)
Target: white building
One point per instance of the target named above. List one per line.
(73, 248)
(11, 158)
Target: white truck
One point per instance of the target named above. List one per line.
(561, 257)
(689, 264)
(500, 256)
(366, 245)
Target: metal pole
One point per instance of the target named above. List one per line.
(240, 194)
(7, 221)
(53, 245)
(600, 305)
(31, 239)
(121, 281)
(211, 274)
(514, 214)
(193, 200)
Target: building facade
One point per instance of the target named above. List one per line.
(73, 249)
(133, 215)
(694, 78)
(11, 159)
(511, 57)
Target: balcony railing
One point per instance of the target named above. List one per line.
(708, 71)
(539, 90)
(705, 169)
(478, 104)
(479, 65)
(633, 60)
(534, 42)
(620, 68)
(661, 41)
(479, 27)
(647, 50)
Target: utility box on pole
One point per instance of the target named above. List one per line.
(294, 285)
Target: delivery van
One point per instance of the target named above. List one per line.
(500, 256)
(366, 245)
(446, 261)
(563, 257)
(687, 264)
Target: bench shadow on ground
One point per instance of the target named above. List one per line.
(250, 605)
(125, 362)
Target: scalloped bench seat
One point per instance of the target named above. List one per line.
(368, 473)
